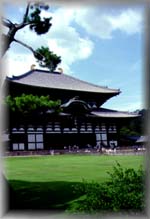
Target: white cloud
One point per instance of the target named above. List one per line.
(61, 16)
(65, 39)
(94, 22)
(71, 50)
(128, 21)
(62, 39)
(18, 64)
(103, 23)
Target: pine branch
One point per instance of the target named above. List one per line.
(7, 23)
(25, 21)
(35, 53)
(25, 45)
(26, 13)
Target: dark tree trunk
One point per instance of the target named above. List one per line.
(5, 44)
(8, 38)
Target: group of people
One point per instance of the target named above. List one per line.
(98, 147)
(71, 148)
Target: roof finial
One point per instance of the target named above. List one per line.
(33, 66)
(60, 70)
(75, 98)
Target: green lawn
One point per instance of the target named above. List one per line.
(46, 182)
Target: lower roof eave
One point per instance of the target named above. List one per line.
(114, 114)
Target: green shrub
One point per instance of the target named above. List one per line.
(127, 186)
(29, 104)
(123, 191)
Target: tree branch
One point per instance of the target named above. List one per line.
(7, 23)
(25, 45)
(25, 21)
(30, 48)
(26, 13)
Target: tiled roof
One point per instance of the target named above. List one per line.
(56, 80)
(143, 139)
(106, 113)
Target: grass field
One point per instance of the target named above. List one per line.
(45, 182)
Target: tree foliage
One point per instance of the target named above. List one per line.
(124, 191)
(32, 18)
(29, 104)
(36, 24)
(136, 126)
(46, 58)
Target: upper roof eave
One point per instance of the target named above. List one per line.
(45, 79)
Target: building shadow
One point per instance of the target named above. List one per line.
(25, 195)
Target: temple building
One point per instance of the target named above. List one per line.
(81, 122)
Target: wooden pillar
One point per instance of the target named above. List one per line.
(26, 137)
(44, 137)
(118, 133)
(10, 137)
(35, 133)
(78, 127)
(107, 128)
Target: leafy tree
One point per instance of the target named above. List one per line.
(133, 129)
(136, 126)
(29, 104)
(32, 19)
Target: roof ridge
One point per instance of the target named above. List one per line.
(92, 84)
(74, 78)
(20, 76)
(30, 72)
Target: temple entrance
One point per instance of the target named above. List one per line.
(59, 141)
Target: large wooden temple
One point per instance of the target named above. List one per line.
(81, 122)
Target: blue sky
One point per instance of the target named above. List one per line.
(101, 45)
